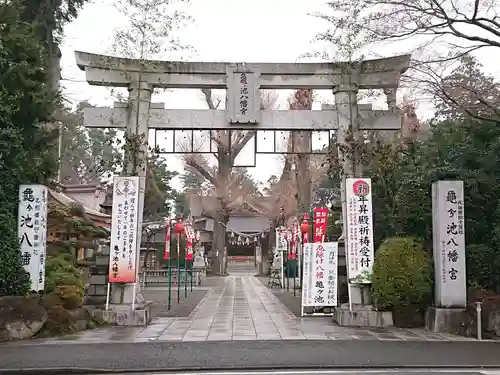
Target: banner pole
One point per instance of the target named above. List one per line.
(133, 296)
(169, 282)
(107, 296)
(178, 267)
(185, 276)
(191, 272)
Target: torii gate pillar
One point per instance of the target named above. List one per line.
(139, 100)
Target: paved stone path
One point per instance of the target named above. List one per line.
(242, 308)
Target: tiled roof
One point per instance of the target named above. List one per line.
(66, 200)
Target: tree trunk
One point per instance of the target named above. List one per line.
(269, 248)
(303, 173)
(218, 244)
(264, 255)
(221, 217)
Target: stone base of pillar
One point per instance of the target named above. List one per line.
(362, 316)
(360, 294)
(124, 295)
(444, 320)
(123, 315)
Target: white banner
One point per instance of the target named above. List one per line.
(32, 232)
(123, 249)
(319, 285)
(281, 242)
(359, 249)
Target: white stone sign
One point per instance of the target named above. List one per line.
(243, 95)
(278, 263)
(320, 264)
(32, 232)
(122, 264)
(199, 257)
(448, 230)
(258, 254)
(277, 258)
(360, 250)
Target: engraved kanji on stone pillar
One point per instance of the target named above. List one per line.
(243, 96)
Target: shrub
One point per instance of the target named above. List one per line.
(402, 275)
(64, 280)
(483, 266)
(13, 279)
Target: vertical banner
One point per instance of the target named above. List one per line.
(32, 232)
(320, 224)
(360, 251)
(168, 235)
(294, 244)
(124, 220)
(190, 237)
(281, 242)
(320, 265)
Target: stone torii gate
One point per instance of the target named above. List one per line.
(242, 82)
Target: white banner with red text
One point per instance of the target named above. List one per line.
(320, 279)
(123, 247)
(359, 249)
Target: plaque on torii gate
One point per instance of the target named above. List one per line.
(243, 95)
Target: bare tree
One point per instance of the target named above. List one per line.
(301, 170)
(441, 32)
(468, 91)
(302, 100)
(434, 19)
(223, 177)
(151, 29)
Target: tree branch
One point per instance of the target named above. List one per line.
(201, 167)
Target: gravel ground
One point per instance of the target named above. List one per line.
(159, 297)
(287, 299)
(159, 308)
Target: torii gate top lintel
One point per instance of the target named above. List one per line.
(381, 73)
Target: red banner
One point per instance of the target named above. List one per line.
(166, 252)
(294, 243)
(190, 237)
(320, 224)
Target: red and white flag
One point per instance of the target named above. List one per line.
(190, 237)
(168, 228)
(295, 239)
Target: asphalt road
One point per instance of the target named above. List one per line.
(250, 355)
(338, 372)
(330, 372)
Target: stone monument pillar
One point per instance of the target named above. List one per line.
(448, 232)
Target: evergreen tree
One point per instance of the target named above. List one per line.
(88, 155)
(25, 152)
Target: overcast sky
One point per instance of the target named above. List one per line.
(224, 30)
